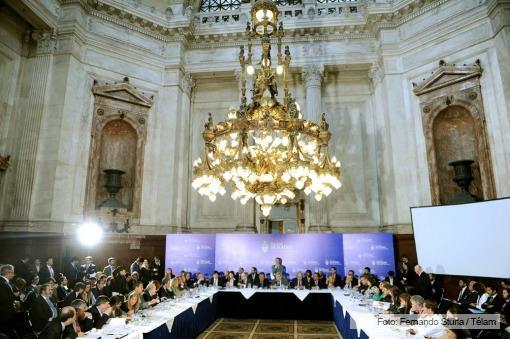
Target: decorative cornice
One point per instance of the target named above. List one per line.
(447, 75)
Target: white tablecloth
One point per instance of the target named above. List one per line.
(165, 313)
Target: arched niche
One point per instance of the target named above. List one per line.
(118, 151)
(119, 131)
(454, 138)
(454, 127)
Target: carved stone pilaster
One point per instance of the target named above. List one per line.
(312, 76)
(376, 74)
(187, 84)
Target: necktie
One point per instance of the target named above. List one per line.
(51, 271)
(299, 283)
(460, 295)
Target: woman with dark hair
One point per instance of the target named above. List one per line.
(371, 286)
(145, 273)
(308, 279)
(189, 280)
(116, 304)
(87, 294)
(332, 282)
(404, 304)
(169, 273)
(231, 280)
(394, 293)
(479, 288)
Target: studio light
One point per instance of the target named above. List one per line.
(90, 234)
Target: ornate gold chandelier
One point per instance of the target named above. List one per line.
(266, 149)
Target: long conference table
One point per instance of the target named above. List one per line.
(190, 316)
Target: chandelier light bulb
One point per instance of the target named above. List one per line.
(266, 209)
(279, 69)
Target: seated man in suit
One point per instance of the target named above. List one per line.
(43, 310)
(462, 292)
(216, 280)
(298, 282)
(494, 302)
(101, 311)
(390, 278)
(317, 283)
(55, 328)
(75, 294)
(83, 322)
(279, 282)
(338, 278)
(164, 290)
(261, 281)
(471, 296)
(350, 280)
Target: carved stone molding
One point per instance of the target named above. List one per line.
(455, 86)
(46, 42)
(113, 102)
(313, 75)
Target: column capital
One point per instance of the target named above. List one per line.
(46, 42)
(187, 83)
(313, 74)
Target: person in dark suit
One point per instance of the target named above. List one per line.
(83, 322)
(100, 311)
(157, 269)
(471, 296)
(62, 290)
(55, 328)
(298, 282)
(22, 269)
(47, 271)
(350, 280)
(43, 310)
(88, 269)
(278, 267)
(216, 280)
(494, 302)
(317, 283)
(72, 271)
(164, 290)
(338, 278)
(120, 284)
(463, 292)
(252, 276)
(422, 283)
(6, 299)
(108, 270)
(279, 282)
(75, 294)
(135, 266)
(435, 288)
(99, 289)
(390, 278)
(261, 281)
(35, 268)
(404, 272)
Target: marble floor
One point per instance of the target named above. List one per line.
(267, 329)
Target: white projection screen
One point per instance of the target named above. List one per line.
(468, 239)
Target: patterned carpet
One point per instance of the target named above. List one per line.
(268, 329)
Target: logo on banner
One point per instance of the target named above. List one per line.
(265, 246)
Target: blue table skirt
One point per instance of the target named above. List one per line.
(189, 325)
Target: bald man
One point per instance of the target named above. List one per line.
(422, 284)
(55, 328)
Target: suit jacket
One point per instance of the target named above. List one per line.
(40, 313)
(134, 267)
(6, 302)
(86, 324)
(261, 284)
(251, 278)
(319, 283)
(44, 274)
(108, 270)
(62, 292)
(70, 297)
(52, 330)
(282, 269)
(294, 283)
(88, 271)
(462, 295)
(165, 293)
(435, 290)
(99, 320)
(308, 283)
(157, 271)
(393, 283)
(493, 304)
(422, 285)
(353, 283)
(282, 283)
(221, 282)
(72, 274)
(470, 297)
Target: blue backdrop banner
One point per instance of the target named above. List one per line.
(374, 250)
(317, 252)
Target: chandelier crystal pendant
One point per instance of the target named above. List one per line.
(266, 150)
